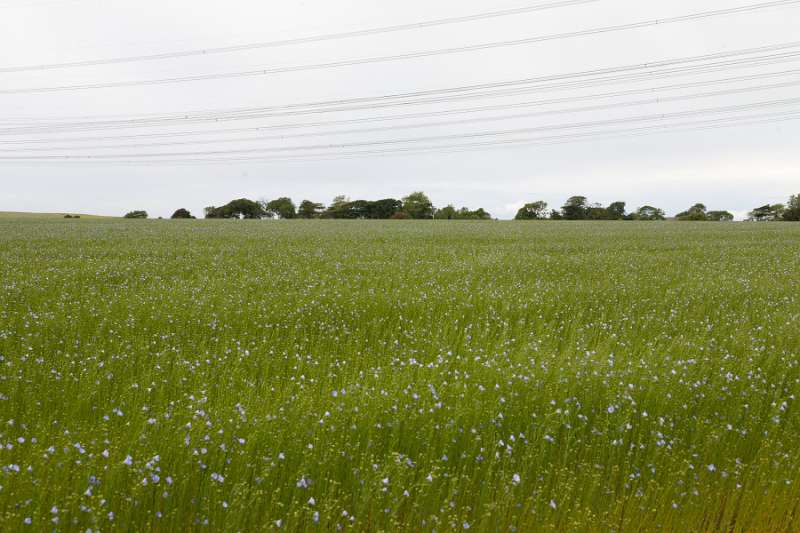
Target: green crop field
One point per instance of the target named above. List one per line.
(417, 376)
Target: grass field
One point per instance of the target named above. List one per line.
(490, 376)
(17, 215)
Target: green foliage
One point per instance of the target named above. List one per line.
(309, 209)
(792, 212)
(699, 213)
(576, 208)
(596, 212)
(719, 216)
(281, 208)
(343, 208)
(136, 214)
(418, 205)
(241, 208)
(788, 213)
(767, 213)
(451, 213)
(384, 209)
(648, 212)
(477, 214)
(339, 208)
(531, 377)
(615, 211)
(532, 211)
(182, 213)
(695, 213)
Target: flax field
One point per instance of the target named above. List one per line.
(162, 375)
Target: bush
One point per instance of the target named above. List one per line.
(182, 213)
(241, 208)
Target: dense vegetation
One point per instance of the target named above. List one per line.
(136, 214)
(417, 205)
(385, 375)
(788, 212)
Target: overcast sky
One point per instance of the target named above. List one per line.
(734, 168)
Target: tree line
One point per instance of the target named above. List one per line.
(579, 208)
(417, 205)
(769, 213)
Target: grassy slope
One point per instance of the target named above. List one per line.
(583, 376)
(29, 216)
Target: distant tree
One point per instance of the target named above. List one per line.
(576, 208)
(616, 211)
(596, 212)
(244, 208)
(400, 215)
(241, 208)
(385, 208)
(339, 208)
(418, 205)
(555, 214)
(465, 213)
(792, 212)
(67, 216)
(448, 212)
(481, 214)
(340, 200)
(719, 216)
(281, 207)
(358, 209)
(532, 211)
(363, 209)
(309, 209)
(695, 213)
(648, 212)
(767, 213)
(136, 214)
(181, 213)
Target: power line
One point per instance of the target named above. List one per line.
(381, 118)
(591, 83)
(300, 40)
(564, 81)
(780, 47)
(411, 55)
(432, 138)
(616, 105)
(554, 139)
(701, 125)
